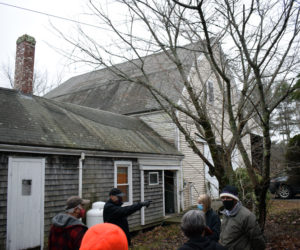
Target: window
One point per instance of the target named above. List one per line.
(210, 91)
(26, 187)
(153, 178)
(123, 179)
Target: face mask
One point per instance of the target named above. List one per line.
(200, 206)
(82, 213)
(228, 204)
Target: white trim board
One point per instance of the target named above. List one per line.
(127, 164)
(142, 197)
(159, 167)
(65, 151)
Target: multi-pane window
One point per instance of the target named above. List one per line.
(123, 179)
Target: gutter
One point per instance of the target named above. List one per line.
(97, 153)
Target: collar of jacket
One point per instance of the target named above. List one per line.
(234, 211)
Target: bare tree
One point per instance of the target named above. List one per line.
(41, 83)
(245, 47)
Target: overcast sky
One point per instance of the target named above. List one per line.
(16, 22)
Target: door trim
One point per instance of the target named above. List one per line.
(11, 159)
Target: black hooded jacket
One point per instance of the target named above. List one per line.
(214, 223)
(201, 243)
(116, 214)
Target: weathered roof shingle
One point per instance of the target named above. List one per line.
(103, 90)
(36, 121)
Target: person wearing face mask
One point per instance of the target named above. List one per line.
(213, 223)
(67, 230)
(239, 228)
(114, 213)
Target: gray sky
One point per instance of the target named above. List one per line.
(16, 22)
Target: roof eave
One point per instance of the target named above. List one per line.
(88, 152)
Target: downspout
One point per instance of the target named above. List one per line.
(142, 197)
(181, 187)
(181, 193)
(81, 159)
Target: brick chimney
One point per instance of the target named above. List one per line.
(24, 64)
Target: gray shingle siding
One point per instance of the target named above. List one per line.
(154, 193)
(3, 198)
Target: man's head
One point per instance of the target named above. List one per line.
(193, 223)
(104, 236)
(229, 197)
(75, 206)
(116, 195)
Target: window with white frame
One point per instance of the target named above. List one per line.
(210, 91)
(153, 178)
(123, 179)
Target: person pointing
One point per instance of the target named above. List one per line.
(114, 213)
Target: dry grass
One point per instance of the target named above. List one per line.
(282, 230)
(280, 206)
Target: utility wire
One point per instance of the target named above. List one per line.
(50, 15)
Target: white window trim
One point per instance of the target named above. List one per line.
(153, 184)
(128, 164)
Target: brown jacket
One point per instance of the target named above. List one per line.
(241, 231)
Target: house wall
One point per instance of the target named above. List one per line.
(193, 166)
(98, 179)
(193, 170)
(3, 198)
(61, 182)
(193, 175)
(162, 124)
(155, 194)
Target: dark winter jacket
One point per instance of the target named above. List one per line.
(116, 214)
(241, 231)
(201, 243)
(66, 233)
(214, 223)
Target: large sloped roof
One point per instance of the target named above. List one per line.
(29, 120)
(103, 90)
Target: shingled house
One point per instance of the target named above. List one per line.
(103, 90)
(50, 150)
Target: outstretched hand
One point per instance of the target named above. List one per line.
(146, 203)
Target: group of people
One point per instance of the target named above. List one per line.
(239, 229)
(68, 232)
(203, 227)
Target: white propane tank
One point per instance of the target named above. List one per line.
(95, 215)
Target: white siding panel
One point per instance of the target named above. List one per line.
(162, 124)
(193, 173)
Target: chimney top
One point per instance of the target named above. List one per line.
(26, 38)
(24, 64)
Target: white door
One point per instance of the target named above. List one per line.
(25, 203)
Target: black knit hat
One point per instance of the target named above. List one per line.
(116, 192)
(230, 191)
